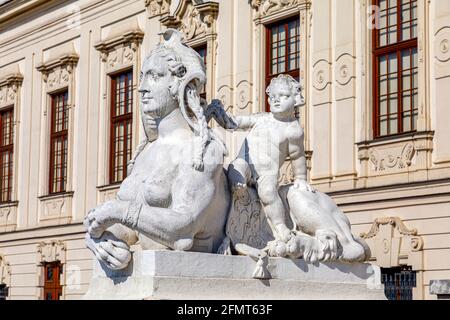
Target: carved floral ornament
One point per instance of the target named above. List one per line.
(51, 251)
(57, 73)
(193, 18)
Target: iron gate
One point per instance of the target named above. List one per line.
(398, 282)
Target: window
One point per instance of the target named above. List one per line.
(283, 49)
(6, 154)
(398, 282)
(202, 51)
(52, 285)
(58, 142)
(395, 68)
(121, 125)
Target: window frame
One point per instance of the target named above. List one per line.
(398, 47)
(53, 286)
(124, 118)
(7, 148)
(268, 76)
(63, 134)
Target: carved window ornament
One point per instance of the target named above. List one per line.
(58, 74)
(393, 244)
(48, 252)
(10, 86)
(119, 53)
(157, 7)
(197, 21)
(120, 48)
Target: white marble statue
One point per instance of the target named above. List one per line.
(318, 230)
(178, 196)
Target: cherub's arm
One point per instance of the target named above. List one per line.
(216, 110)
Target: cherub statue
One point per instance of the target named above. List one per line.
(273, 137)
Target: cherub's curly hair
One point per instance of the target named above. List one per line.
(293, 84)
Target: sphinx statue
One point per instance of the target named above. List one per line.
(178, 195)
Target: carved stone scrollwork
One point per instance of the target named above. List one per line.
(120, 48)
(50, 251)
(194, 18)
(442, 45)
(394, 221)
(321, 76)
(394, 244)
(267, 7)
(57, 73)
(344, 69)
(157, 7)
(393, 159)
(9, 87)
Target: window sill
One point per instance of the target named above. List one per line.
(52, 196)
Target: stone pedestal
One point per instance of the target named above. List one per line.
(189, 275)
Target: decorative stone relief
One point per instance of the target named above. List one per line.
(193, 18)
(321, 74)
(8, 217)
(50, 251)
(392, 158)
(120, 48)
(243, 91)
(267, 7)
(57, 74)
(393, 241)
(344, 69)
(157, 7)
(225, 95)
(56, 208)
(5, 271)
(9, 88)
(442, 45)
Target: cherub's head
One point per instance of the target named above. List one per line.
(284, 94)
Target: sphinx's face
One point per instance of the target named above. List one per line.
(155, 81)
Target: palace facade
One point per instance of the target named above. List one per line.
(376, 78)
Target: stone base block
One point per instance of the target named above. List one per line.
(190, 275)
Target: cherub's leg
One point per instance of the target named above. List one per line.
(273, 206)
(239, 174)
